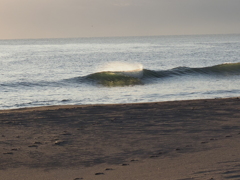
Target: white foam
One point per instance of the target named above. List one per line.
(122, 67)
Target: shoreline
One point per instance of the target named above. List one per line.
(195, 139)
(54, 107)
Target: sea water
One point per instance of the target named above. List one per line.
(45, 72)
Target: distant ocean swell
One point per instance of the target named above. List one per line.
(135, 77)
(222, 69)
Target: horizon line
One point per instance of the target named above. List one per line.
(88, 37)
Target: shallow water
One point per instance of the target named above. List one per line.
(84, 70)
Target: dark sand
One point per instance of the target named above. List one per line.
(182, 140)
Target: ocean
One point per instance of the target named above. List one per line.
(112, 70)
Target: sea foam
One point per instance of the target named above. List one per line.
(122, 67)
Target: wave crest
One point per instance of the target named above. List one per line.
(141, 76)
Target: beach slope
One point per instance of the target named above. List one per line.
(195, 139)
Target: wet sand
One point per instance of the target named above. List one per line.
(182, 140)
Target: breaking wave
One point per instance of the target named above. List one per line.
(133, 77)
(138, 77)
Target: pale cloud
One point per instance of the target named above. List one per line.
(83, 18)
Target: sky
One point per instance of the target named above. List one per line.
(31, 19)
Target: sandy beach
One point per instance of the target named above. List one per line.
(178, 140)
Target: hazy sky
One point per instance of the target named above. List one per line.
(94, 18)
